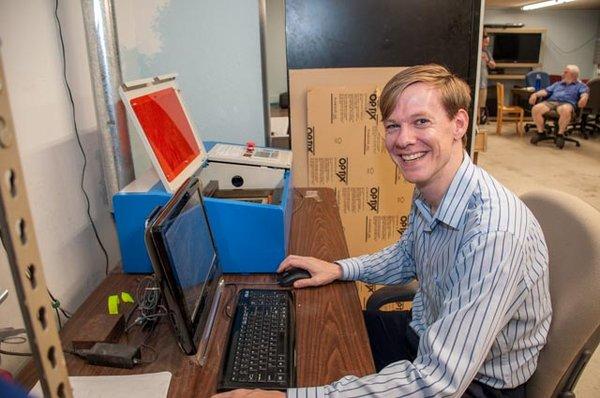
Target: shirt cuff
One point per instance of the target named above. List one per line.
(351, 268)
(306, 392)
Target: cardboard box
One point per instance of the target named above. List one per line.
(338, 142)
(300, 80)
(346, 151)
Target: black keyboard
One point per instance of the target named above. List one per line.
(260, 352)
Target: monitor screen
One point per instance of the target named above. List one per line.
(167, 130)
(191, 254)
(517, 47)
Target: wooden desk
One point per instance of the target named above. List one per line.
(331, 338)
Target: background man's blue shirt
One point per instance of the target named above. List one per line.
(566, 92)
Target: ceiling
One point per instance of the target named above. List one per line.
(516, 4)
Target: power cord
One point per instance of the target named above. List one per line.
(14, 339)
(66, 80)
(15, 353)
(58, 309)
(148, 299)
(55, 304)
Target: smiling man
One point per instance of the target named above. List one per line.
(482, 310)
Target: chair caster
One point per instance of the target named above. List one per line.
(560, 141)
(537, 138)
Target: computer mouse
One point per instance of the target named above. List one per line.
(287, 278)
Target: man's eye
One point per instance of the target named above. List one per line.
(391, 128)
(422, 122)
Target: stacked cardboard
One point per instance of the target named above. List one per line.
(343, 148)
(346, 151)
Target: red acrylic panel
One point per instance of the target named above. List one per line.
(167, 129)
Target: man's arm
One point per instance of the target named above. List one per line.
(391, 265)
(491, 63)
(583, 99)
(453, 348)
(537, 95)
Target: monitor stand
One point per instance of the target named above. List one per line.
(204, 345)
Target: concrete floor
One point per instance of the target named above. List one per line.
(522, 167)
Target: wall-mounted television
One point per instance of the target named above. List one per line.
(521, 48)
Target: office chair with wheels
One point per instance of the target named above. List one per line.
(590, 115)
(551, 130)
(572, 231)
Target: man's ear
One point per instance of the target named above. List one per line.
(461, 124)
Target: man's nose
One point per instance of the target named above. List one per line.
(404, 137)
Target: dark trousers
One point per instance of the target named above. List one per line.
(392, 340)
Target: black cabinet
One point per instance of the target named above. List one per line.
(377, 33)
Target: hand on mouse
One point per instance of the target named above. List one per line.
(322, 272)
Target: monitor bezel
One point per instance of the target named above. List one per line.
(135, 89)
(188, 327)
(517, 60)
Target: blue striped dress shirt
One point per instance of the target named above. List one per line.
(483, 308)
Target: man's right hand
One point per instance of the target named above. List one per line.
(322, 272)
(532, 99)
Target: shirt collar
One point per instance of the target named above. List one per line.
(456, 199)
(568, 84)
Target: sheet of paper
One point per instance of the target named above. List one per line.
(279, 126)
(150, 385)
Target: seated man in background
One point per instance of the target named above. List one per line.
(564, 96)
(482, 311)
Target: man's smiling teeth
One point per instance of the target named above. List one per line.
(413, 156)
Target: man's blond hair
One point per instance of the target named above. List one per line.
(455, 94)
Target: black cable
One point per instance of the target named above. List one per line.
(59, 320)
(17, 354)
(56, 304)
(14, 340)
(564, 52)
(66, 81)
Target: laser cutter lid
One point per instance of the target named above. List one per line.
(157, 112)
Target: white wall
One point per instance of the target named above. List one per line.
(570, 36)
(276, 56)
(214, 46)
(72, 260)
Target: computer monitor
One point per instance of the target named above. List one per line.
(185, 261)
(517, 47)
(158, 113)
